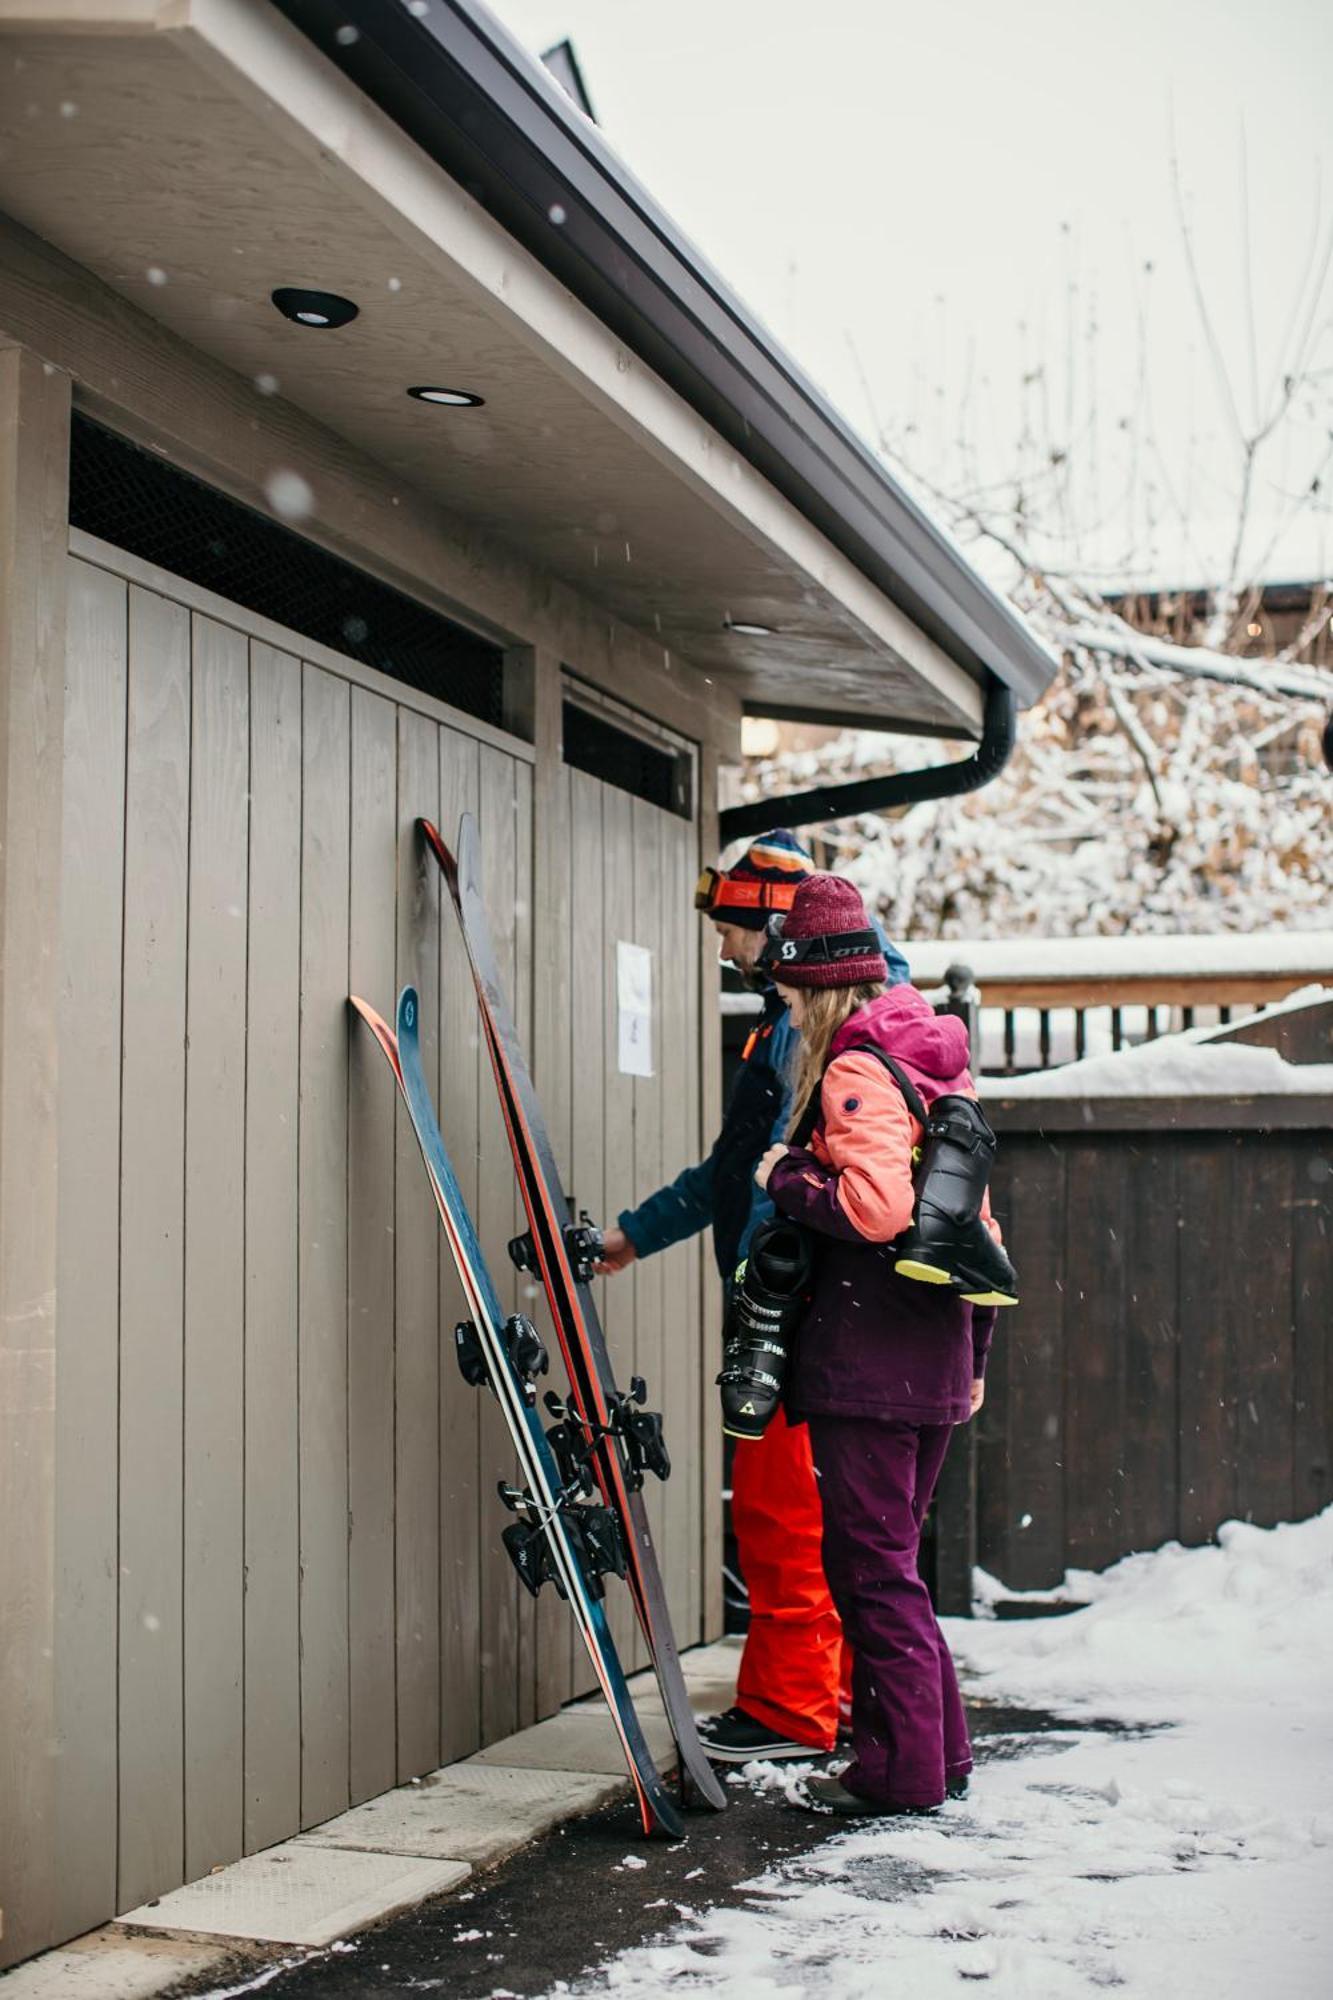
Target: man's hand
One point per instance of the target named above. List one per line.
(978, 1394)
(767, 1164)
(617, 1252)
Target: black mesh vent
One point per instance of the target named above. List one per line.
(130, 497)
(616, 756)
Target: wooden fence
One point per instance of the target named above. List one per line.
(1033, 1003)
(1171, 1364)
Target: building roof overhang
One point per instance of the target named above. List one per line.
(641, 438)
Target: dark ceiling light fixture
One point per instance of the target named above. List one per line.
(452, 399)
(314, 308)
(748, 628)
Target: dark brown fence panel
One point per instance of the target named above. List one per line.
(1170, 1364)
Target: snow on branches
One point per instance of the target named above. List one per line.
(1139, 798)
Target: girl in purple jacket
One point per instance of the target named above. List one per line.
(885, 1366)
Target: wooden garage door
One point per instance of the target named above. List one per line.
(280, 1588)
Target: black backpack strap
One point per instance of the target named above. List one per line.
(810, 1116)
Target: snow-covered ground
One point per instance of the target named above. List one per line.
(1192, 1859)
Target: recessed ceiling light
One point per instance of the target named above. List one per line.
(314, 308)
(747, 628)
(454, 399)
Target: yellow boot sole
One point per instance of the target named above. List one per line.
(990, 1298)
(929, 1274)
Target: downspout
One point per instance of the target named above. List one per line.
(897, 788)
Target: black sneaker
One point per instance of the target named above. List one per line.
(830, 1795)
(735, 1738)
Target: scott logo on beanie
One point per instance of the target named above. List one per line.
(825, 939)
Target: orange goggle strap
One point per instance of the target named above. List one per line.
(717, 892)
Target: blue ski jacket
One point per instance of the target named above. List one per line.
(721, 1189)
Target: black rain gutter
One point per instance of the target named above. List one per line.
(451, 77)
(898, 788)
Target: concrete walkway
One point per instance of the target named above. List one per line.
(422, 1840)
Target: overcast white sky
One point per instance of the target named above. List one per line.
(968, 193)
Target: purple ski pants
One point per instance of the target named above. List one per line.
(909, 1732)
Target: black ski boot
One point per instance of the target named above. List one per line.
(947, 1242)
(767, 1301)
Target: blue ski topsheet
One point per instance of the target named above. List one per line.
(590, 1613)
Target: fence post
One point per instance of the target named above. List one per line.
(964, 1000)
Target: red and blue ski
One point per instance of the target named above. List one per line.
(558, 1533)
(610, 1431)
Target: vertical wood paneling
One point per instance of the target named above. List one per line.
(322, 1221)
(590, 1057)
(527, 1290)
(697, 1285)
(649, 926)
(671, 1390)
(617, 1138)
(370, 1258)
(1206, 1180)
(1263, 1331)
(417, 1374)
(152, 1249)
(1152, 1391)
(552, 1055)
(1094, 1358)
(88, 1265)
(708, 1047)
(1204, 1394)
(495, 1222)
(215, 1250)
(34, 485)
(1312, 1288)
(1021, 1490)
(467, 1511)
(272, 1552)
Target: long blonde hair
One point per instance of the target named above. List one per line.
(826, 1010)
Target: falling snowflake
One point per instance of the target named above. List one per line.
(289, 495)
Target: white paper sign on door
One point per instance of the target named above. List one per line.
(634, 997)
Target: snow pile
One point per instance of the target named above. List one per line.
(1180, 1860)
(1174, 1066)
(1247, 1619)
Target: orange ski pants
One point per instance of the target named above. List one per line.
(795, 1667)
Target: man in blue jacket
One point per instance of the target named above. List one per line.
(792, 1672)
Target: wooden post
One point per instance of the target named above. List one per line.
(34, 460)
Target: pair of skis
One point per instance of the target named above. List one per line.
(580, 1512)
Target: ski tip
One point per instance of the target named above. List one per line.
(408, 1011)
(435, 841)
(370, 1015)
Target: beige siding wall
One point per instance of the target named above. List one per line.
(275, 1495)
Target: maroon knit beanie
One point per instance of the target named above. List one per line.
(824, 906)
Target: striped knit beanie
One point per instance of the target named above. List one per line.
(763, 880)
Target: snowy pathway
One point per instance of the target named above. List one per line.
(1194, 1857)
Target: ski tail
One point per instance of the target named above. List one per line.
(400, 1047)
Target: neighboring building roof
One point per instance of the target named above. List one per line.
(451, 77)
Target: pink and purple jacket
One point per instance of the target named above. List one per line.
(874, 1344)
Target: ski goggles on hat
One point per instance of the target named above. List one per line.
(716, 891)
(779, 951)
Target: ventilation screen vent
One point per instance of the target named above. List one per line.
(135, 500)
(651, 771)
